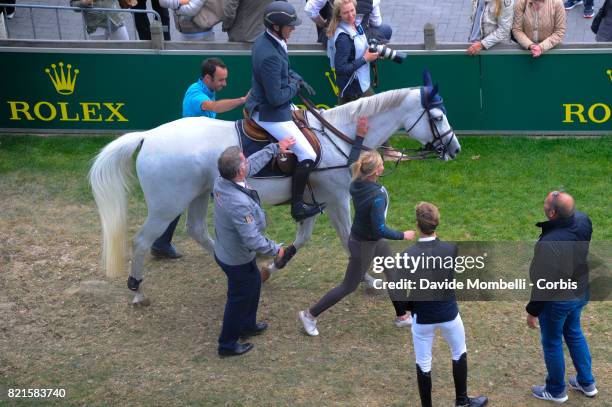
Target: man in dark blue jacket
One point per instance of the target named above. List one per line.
(560, 256)
(274, 84)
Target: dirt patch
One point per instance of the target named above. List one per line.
(65, 326)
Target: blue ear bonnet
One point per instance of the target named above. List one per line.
(430, 98)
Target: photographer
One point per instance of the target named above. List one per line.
(350, 56)
(348, 52)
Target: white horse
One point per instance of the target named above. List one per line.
(177, 166)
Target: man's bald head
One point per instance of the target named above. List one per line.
(559, 205)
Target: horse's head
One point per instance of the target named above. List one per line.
(435, 133)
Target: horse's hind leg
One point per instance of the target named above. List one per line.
(151, 230)
(197, 222)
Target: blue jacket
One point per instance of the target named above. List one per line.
(345, 65)
(370, 203)
(272, 87)
(560, 253)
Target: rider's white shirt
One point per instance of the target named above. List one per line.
(281, 42)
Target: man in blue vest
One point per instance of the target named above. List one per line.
(200, 100)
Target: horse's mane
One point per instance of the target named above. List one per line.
(367, 106)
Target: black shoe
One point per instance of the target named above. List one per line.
(302, 210)
(240, 349)
(169, 253)
(473, 402)
(260, 327)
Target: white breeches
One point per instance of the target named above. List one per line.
(280, 130)
(423, 336)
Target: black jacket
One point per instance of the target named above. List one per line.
(433, 306)
(560, 253)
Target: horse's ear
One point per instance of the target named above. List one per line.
(427, 78)
(434, 92)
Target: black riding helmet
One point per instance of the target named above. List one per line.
(280, 13)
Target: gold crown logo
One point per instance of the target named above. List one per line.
(609, 72)
(64, 80)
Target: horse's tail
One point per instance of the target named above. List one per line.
(110, 177)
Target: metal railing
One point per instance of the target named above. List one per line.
(84, 10)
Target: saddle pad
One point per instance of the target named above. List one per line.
(250, 146)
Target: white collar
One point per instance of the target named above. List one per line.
(241, 183)
(427, 239)
(281, 42)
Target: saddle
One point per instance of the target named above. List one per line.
(284, 163)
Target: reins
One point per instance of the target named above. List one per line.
(425, 152)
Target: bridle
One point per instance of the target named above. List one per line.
(437, 148)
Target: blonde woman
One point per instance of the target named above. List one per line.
(491, 24)
(367, 240)
(348, 52)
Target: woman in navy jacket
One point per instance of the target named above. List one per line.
(368, 236)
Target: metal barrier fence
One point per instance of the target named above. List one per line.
(82, 10)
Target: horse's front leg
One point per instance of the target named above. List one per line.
(303, 235)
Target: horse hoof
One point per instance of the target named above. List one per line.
(265, 273)
(140, 301)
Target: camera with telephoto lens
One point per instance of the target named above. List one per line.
(385, 52)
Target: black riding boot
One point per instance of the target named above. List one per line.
(424, 382)
(460, 378)
(299, 209)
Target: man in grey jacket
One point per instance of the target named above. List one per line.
(239, 225)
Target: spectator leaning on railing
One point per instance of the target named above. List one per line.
(103, 21)
(491, 24)
(539, 25)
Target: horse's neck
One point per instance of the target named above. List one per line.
(381, 127)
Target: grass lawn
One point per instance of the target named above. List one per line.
(104, 352)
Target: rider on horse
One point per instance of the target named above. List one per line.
(274, 84)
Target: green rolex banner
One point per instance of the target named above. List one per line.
(120, 90)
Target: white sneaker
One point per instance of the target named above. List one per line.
(401, 323)
(310, 325)
(589, 391)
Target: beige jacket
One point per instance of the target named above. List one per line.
(545, 27)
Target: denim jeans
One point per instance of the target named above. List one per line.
(558, 320)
